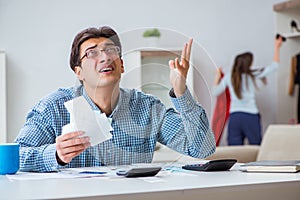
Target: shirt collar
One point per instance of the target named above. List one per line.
(95, 107)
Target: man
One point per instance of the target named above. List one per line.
(138, 120)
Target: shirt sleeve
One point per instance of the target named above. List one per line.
(188, 131)
(220, 88)
(37, 141)
(267, 70)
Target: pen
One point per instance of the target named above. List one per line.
(92, 172)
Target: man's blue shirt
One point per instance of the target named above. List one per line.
(139, 121)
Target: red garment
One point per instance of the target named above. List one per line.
(221, 114)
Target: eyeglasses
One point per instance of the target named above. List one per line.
(96, 52)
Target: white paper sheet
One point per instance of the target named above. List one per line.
(67, 173)
(83, 118)
(54, 175)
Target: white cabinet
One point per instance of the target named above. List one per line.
(285, 12)
(3, 129)
(148, 70)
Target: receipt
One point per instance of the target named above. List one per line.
(82, 118)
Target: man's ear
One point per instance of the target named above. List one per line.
(122, 66)
(77, 71)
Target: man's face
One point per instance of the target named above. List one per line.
(101, 65)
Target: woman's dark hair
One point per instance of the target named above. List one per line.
(103, 31)
(241, 66)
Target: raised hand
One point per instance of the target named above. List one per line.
(218, 75)
(179, 70)
(277, 44)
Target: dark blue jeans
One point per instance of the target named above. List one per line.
(244, 125)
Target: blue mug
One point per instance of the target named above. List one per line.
(9, 158)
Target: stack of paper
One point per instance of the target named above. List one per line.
(272, 166)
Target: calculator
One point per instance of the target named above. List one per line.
(213, 165)
(139, 172)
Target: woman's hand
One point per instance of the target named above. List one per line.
(277, 45)
(278, 42)
(218, 76)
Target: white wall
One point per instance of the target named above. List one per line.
(37, 34)
(3, 123)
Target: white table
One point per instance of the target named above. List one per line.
(205, 185)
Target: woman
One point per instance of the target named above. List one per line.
(244, 120)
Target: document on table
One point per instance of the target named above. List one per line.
(63, 174)
(82, 118)
(99, 172)
(42, 176)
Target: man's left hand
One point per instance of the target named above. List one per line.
(179, 70)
